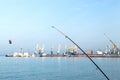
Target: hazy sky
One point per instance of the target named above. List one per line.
(28, 22)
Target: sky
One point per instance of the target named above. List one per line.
(28, 22)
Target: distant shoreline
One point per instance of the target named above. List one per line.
(80, 55)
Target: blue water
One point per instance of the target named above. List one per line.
(58, 68)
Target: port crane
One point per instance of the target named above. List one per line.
(39, 50)
(114, 49)
(52, 48)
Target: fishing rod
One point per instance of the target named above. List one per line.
(82, 51)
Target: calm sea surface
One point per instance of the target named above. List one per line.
(58, 68)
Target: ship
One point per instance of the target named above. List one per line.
(21, 53)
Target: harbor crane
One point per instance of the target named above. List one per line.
(114, 49)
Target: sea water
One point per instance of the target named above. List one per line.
(58, 68)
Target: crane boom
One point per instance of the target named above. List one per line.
(114, 46)
(109, 39)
